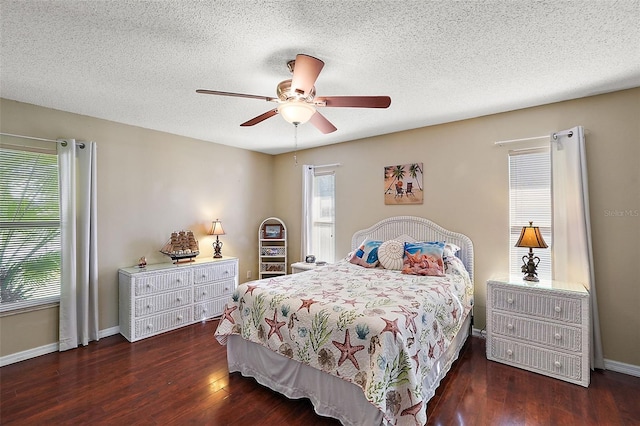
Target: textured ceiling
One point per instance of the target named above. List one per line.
(140, 63)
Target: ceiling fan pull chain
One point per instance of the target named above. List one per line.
(295, 142)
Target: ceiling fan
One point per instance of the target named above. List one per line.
(297, 97)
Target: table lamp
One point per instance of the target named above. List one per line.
(216, 229)
(530, 237)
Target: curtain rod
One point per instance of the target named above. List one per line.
(327, 165)
(64, 143)
(500, 143)
(28, 137)
(556, 135)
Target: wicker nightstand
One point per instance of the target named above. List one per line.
(541, 327)
(302, 266)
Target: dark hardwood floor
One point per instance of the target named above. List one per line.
(181, 378)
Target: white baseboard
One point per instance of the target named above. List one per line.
(621, 367)
(109, 332)
(47, 349)
(29, 353)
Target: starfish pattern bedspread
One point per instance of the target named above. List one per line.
(379, 329)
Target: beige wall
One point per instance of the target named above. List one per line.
(149, 184)
(465, 177)
(142, 198)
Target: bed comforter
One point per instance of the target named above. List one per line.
(379, 329)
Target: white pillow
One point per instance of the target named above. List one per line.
(450, 249)
(390, 255)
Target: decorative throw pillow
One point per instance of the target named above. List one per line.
(367, 254)
(450, 249)
(390, 254)
(423, 258)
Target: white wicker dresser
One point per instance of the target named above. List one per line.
(165, 296)
(541, 327)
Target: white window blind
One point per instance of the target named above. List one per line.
(323, 216)
(29, 229)
(530, 200)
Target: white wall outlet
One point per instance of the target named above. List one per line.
(248, 274)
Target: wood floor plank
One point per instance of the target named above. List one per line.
(181, 378)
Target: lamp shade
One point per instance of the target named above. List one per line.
(531, 237)
(296, 112)
(216, 228)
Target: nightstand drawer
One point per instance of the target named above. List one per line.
(156, 283)
(539, 332)
(555, 364)
(561, 308)
(162, 302)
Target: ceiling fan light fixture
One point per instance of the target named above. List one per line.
(296, 112)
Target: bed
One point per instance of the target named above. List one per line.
(367, 345)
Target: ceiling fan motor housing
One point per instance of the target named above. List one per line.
(285, 93)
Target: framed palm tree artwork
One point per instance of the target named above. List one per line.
(403, 184)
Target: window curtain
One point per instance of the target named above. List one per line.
(79, 269)
(308, 171)
(572, 251)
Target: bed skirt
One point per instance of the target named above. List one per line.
(330, 395)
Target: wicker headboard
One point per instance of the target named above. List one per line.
(411, 229)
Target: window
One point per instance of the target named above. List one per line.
(530, 200)
(323, 216)
(29, 228)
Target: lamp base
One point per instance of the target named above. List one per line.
(217, 249)
(530, 266)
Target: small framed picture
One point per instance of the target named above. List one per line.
(273, 232)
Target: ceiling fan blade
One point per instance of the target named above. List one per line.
(354, 101)
(237, 95)
(305, 72)
(321, 123)
(260, 118)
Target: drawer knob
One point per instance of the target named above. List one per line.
(558, 309)
(510, 301)
(558, 364)
(557, 336)
(179, 317)
(148, 285)
(509, 352)
(204, 275)
(226, 289)
(204, 310)
(510, 326)
(204, 293)
(179, 299)
(149, 306)
(149, 326)
(178, 280)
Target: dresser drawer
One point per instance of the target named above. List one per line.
(561, 308)
(214, 272)
(157, 283)
(209, 309)
(539, 332)
(163, 322)
(548, 362)
(162, 302)
(214, 290)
